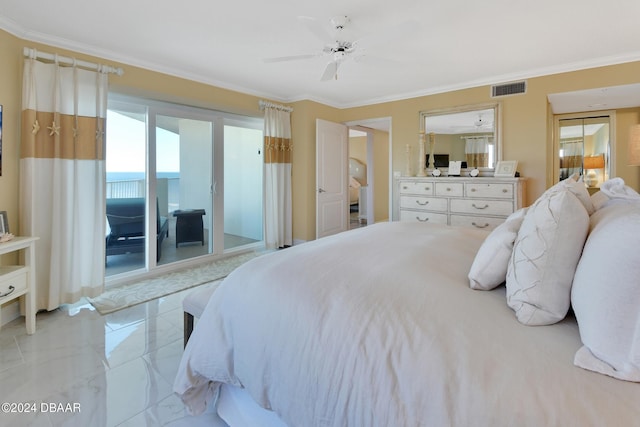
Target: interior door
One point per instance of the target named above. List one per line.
(332, 173)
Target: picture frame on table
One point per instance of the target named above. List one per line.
(454, 168)
(4, 223)
(506, 168)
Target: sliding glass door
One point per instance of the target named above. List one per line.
(243, 185)
(186, 182)
(126, 168)
(184, 186)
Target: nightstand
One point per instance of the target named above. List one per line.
(19, 280)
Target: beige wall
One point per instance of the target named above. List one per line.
(527, 122)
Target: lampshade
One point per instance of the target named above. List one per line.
(634, 146)
(594, 162)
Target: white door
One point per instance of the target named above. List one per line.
(332, 173)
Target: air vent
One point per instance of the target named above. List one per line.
(508, 89)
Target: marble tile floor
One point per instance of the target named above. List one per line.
(113, 370)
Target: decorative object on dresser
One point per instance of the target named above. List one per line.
(481, 202)
(506, 168)
(454, 167)
(422, 139)
(432, 143)
(19, 280)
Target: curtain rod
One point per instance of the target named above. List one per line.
(32, 53)
(266, 104)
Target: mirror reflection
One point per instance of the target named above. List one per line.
(584, 148)
(469, 134)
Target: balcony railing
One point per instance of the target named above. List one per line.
(136, 188)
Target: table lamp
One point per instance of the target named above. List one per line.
(591, 163)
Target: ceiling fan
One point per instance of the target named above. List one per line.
(480, 123)
(337, 46)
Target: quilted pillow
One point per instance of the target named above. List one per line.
(606, 293)
(544, 259)
(489, 268)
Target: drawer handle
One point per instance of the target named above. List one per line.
(473, 190)
(427, 188)
(422, 220)
(422, 204)
(480, 226)
(448, 188)
(478, 207)
(504, 190)
(404, 187)
(11, 289)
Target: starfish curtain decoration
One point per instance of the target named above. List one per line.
(53, 129)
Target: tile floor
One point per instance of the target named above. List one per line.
(118, 368)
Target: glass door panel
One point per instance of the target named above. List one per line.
(126, 141)
(183, 187)
(243, 166)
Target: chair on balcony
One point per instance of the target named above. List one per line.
(126, 229)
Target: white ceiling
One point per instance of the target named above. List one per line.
(454, 44)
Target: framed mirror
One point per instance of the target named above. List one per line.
(470, 134)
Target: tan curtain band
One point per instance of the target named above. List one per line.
(52, 135)
(277, 150)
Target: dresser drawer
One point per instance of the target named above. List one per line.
(449, 189)
(482, 207)
(414, 187)
(418, 216)
(497, 190)
(423, 203)
(486, 223)
(13, 282)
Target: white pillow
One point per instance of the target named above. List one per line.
(489, 268)
(575, 185)
(606, 293)
(544, 259)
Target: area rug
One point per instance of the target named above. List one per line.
(136, 293)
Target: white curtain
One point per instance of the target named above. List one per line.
(277, 159)
(477, 151)
(62, 179)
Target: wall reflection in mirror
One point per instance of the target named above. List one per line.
(470, 134)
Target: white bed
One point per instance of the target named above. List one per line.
(394, 336)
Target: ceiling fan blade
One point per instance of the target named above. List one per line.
(316, 28)
(290, 58)
(330, 71)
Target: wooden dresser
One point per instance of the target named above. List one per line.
(473, 202)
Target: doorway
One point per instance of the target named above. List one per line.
(374, 152)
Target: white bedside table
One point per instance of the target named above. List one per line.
(19, 280)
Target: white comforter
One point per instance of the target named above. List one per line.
(392, 336)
